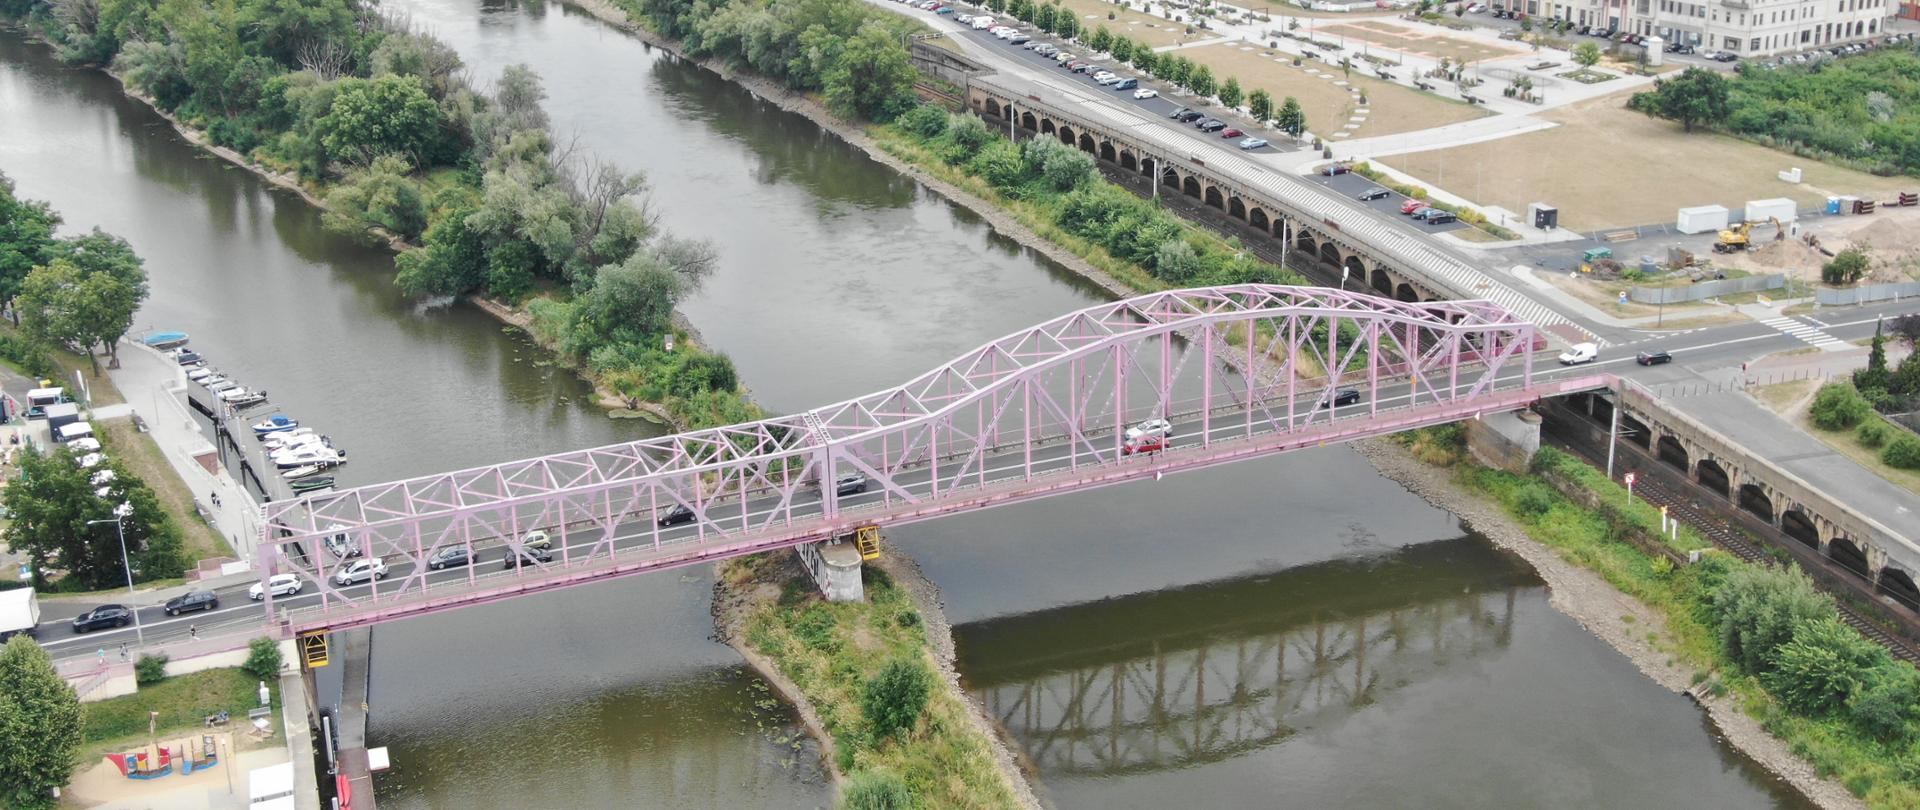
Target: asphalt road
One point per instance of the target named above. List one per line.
(1351, 185)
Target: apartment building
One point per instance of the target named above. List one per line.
(1745, 27)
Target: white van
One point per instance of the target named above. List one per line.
(1579, 353)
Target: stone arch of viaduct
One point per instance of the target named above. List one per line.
(1176, 174)
(1748, 483)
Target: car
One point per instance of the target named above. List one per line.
(1579, 353)
(192, 601)
(1146, 437)
(1030, 43)
(1231, 132)
(1251, 144)
(850, 484)
(1212, 126)
(536, 539)
(1126, 84)
(1075, 65)
(1476, 8)
(1332, 169)
(1019, 39)
(1145, 92)
(1679, 47)
(964, 19)
(1653, 358)
(527, 556)
(1179, 111)
(982, 23)
(1107, 79)
(1345, 397)
(1375, 193)
(1001, 31)
(1726, 56)
(943, 10)
(1439, 217)
(1427, 212)
(1189, 117)
(102, 616)
(1083, 67)
(1045, 49)
(678, 514)
(1062, 57)
(449, 557)
(340, 543)
(1412, 206)
(1103, 75)
(278, 584)
(361, 571)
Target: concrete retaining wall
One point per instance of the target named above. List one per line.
(1504, 440)
(942, 64)
(1706, 289)
(1867, 294)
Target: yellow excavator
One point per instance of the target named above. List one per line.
(1735, 240)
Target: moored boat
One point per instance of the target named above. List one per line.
(311, 482)
(275, 424)
(165, 340)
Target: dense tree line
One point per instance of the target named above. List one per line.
(50, 506)
(1861, 109)
(77, 292)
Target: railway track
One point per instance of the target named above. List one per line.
(1721, 532)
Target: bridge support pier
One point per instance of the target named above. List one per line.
(835, 566)
(1504, 440)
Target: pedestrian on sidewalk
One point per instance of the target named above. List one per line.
(216, 500)
(193, 631)
(123, 651)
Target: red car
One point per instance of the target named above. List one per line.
(1411, 206)
(1232, 133)
(1335, 168)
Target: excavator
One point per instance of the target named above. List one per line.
(1735, 240)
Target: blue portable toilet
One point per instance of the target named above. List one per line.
(1833, 205)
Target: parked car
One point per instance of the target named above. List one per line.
(678, 514)
(1189, 117)
(1726, 56)
(1412, 206)
(102, 616)
(1019, 39)
(449, 557)
(1653, 358)
(1211, 125)
(361, 571)
(1375, 193)
(1332, 169)
(943, 10)
(1230, 132)
(1679, 47)
(279, 584)
(1046, 50)
(1179, 111)
(1147, 437)
(982, 23)
(1145, 92)
(1427, 212)
(1439, 217)
(1083, 67)
(852, 484)
(1251, 144)
(527, 556)
(1579, 353)
(964, 19)
(1345, 397)
(192, 601)
(1062, 57)
(1126, 84)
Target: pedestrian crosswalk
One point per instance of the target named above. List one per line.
(1808, 333)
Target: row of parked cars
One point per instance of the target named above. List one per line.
(1201, 122)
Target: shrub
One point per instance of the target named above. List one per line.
(150, 669)
(926, 121)
(1532, 500)
(1838, 406)
(1885, 706)
(894, 698)
(1846, 268)
(1760, 607)
(1872, 433)
(877, 790)
(1902, 452)
(1822, 666)
(263, 659)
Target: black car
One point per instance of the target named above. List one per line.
(191, 601)
(850, 485)
(1653, 358)
(1346, 396)
(527, 556)
(102, 616)
(1375, 193)
(1442, 217)
(1211, 125)
(1679, 47)
(1179, 112)
(1726, 56)
(449, 557)
(1189, 116)
(678, 514)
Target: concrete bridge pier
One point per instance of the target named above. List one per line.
(835, 566)
(1505, 441)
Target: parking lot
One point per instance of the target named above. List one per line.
(1350, 185)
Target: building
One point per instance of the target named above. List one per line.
(1745, 27)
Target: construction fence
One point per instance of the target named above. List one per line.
(1706, 289)
(1867, 294)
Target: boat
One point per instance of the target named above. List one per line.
(306, 484)
(165, 340)
(298, 473)
(223, 386)
(316, 456)
(201, 373)
(239, 392)
(274, 424)
(298, 437)
(188, 357)
(247, 401)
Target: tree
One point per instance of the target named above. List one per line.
(894, 698)
(52, 504)
(1838, 406)
(380, 116)
(1043, 17)
(64, 305)
(381, 195)
(1760, 607)
(1586, 54)
(40, 726)
(109, 307)
(1101, 40)
(1200, 81)
(451, 260)
(1147, 61)
(1260, 105)
(1822, 666)
(263, 659)
(1178, 68)
(26, 239)
(1068, 169)
(1291, 119)
(1000, 164)
(1695, 96)
(1065, 24)
(1875, 376)
(873, 76)
(1121, 49)
(1230, 93)
(1846, 267)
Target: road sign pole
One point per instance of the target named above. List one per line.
(1629, 480)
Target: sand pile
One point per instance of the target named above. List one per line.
(1888, 240)
(1786, 254)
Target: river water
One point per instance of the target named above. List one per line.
(1295, 631)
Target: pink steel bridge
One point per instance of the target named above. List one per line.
(1237, 372)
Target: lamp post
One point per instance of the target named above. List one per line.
(119, 529)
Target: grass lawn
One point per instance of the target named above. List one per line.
(120, 724)
(68, 362)
(1783, 398)
(1422, 43)
(1137, 26)
(1328, 105)
(143, 458)
(1843, 442)
(1608, 167)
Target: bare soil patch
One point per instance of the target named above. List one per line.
(1329, 105)
(1138, 26)
(1423, 43)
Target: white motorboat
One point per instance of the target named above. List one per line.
(249, 400)
(298, 473)
(201, 373)
(316, 456)
(219, 384)
(296, 443)
(293, 436)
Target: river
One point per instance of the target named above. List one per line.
(839, 276)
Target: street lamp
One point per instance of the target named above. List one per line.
(119, 529)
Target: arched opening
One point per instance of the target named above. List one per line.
(1405, 292)
(1603, 410)
(1213, 198)
(1755, 500)
(1356, 267)
(1257, 217)
(1088, 146)
(993, 108)
(1236, 208)
(1381, 281)
(1899, 585)
(1046, 126)
(1712, 476)
(1066, 135)
(1304, 242)
(1112, 155)
(1673, 452)
(1190, 186)
(1848, 555)
(1800, 527)
(1635, 431)
(1330, 253)
(1170, 178)
(1027, 121)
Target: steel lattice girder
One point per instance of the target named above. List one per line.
(926, 440)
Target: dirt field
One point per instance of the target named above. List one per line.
(1391, 108)
(1432, 45)
(1139, 27)
(1608, 167)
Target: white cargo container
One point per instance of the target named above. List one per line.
(19, 613)
(1702, 219)
(1781, 208)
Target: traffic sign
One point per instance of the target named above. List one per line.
(1630, 478)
